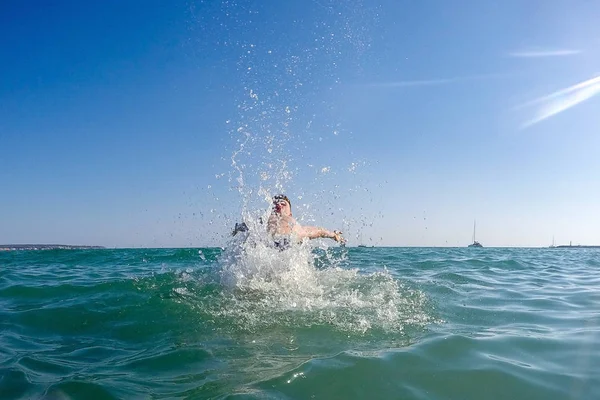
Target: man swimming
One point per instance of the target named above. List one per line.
(284, 228)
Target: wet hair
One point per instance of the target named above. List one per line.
(278, 197)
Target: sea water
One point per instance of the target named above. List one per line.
(323, 323)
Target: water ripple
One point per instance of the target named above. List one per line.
(372, 323)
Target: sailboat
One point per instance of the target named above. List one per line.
(361, 241)
(475, 242)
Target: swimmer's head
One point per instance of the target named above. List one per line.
(281, 197)
(281, 204)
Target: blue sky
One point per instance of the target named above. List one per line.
(399, 123)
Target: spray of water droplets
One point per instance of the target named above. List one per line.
(284, 69)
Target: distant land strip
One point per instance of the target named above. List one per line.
(8, 247)
(568, 246)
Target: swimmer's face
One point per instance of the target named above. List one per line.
(282, 207)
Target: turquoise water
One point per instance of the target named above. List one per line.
(356, 323)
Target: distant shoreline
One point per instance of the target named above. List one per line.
(9, 247)
(568, 246)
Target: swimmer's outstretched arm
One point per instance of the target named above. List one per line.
(313, 232)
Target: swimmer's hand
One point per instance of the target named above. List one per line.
(239, 227)
(337, 236)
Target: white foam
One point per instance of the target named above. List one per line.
(265, 287)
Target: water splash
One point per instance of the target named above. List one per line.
(308, 286)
